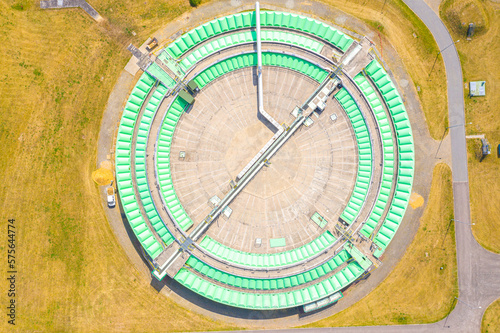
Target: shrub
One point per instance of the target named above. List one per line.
(17, 6)
(194, 3)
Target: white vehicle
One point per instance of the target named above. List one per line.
(111, 196)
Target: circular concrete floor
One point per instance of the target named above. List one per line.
(314, 171)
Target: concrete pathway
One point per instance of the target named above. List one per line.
(434, 5)
(477, 136)
(60, 4)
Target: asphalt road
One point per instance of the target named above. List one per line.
(478, 269)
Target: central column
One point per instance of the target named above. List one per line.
(259, 59)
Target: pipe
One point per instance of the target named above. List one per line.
(260, 92)
(259, 58)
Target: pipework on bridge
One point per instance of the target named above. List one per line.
(302, 65)
(329, 83)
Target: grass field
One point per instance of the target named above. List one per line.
(417, 290)
(491, 318)
(480, 61)
(56, 75)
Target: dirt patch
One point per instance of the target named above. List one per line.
(416, 200)
(103, 175)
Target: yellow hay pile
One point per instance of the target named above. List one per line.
(103, 175)
(416, 200)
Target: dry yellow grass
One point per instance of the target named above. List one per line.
(398, 23)
(480, 61)
(417, 290)
(481, 111)
(491, 318)
(56, 74)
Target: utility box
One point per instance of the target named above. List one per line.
(470, 31)
(186, 96)
(152, 44)
(485, 149)
(193, 86)
(477, 88)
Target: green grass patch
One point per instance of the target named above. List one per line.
(457, 14)
(195, 3)
(17, 6)
(376, 25)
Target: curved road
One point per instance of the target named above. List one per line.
(478, 269)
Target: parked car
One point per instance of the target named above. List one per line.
(111, 196)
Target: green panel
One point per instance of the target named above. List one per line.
(277, 242)
(358, 196)
(269, 301)
(404, 138)
(163, 155)
(275, 259)
(268, 18)
(249, 36)
(161, 75)
(362, 260)
(246, 60)
(319, 220)
(140, 160)
(125, 190)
